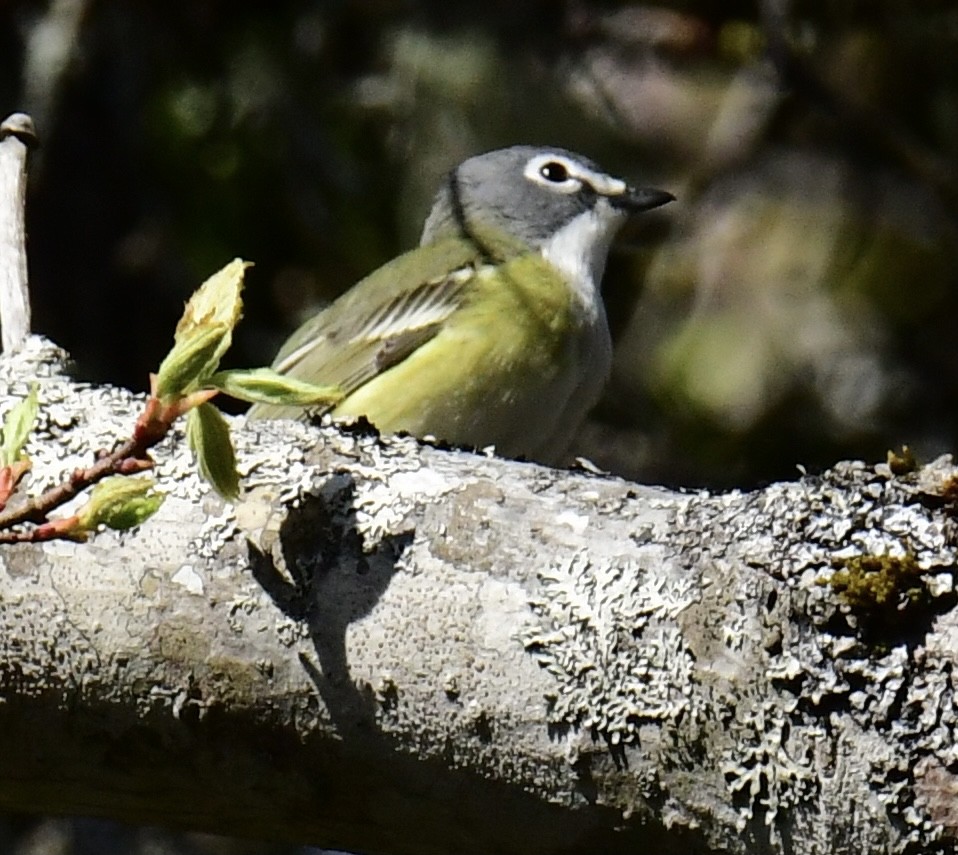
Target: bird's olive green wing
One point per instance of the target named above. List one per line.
(378, 322)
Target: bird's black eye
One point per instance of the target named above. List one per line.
(554, 171)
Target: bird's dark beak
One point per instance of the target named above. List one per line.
(636, 199)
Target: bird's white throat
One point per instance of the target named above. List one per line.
(580, 248)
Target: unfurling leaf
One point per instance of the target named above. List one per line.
(204, 333)
(265, 386)
(217, 300)
(17, 426)
(119, 503)
(194, 357)
(209, 438)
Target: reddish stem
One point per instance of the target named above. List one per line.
(129, 457)
(63, 529)
(10, 476)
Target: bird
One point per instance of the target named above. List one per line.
(492, 332)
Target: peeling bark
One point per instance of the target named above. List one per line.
(389, 647)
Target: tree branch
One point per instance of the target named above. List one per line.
(389, 647)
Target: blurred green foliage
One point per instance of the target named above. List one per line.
(794, 307)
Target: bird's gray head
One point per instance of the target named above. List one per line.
(551, 199)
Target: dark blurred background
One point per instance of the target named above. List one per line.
(797, 304)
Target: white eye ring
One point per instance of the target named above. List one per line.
(577, 174)
(557, 173)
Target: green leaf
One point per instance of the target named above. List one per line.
(216, 301)
(209, 438)
(194, 357)
(120, 502)
(204, 333)
(265, 386)
(17, 427)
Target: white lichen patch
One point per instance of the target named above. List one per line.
(847, 580)
(771, 773)
(607, 633)
(577, 522)
(390, 486)
(189, 579)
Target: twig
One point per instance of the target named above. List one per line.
(16, 136)
(128, 458)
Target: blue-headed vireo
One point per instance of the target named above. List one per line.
(492, 331)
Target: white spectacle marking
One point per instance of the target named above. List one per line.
(578, 174)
